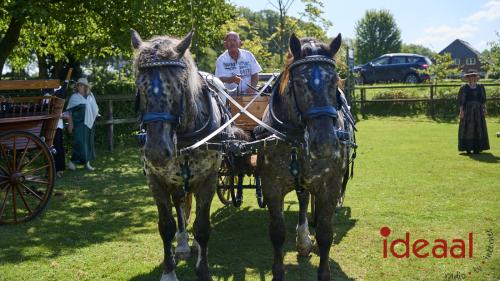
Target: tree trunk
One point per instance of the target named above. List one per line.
(43, 67)
(10, 40)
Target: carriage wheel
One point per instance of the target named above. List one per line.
(26, 177)
(225, 184)
(258, 192)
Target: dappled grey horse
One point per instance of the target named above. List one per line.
(306, 108)
(177, 108)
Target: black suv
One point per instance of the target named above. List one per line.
(393, 67)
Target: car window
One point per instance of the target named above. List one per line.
(398, 60)
(381, 61)
(413, 59)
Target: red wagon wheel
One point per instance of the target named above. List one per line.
(26, 176)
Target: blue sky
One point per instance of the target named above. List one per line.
(432, 23)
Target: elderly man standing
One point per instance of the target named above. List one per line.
(236, 67)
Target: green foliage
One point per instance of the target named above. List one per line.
(376, 34)
(100, 29)
(491, 59)
(417, 49)
(441, 68)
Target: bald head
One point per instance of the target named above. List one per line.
(231, 35)
(232, 42)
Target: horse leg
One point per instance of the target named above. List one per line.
(167, 227)
(303, 240)
(182, 251)
(202, 229)
(325, 208)
(277, 232)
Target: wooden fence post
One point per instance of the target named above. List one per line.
(363, 99)
(431, 100)
(110, 126)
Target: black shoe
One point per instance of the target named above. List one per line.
(468, 151)
(476, 151)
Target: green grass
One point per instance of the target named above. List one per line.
(408, 176)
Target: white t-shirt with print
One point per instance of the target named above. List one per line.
(245, 66)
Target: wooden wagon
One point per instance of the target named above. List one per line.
(234, 168)
(27, 129)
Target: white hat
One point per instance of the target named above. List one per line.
(83, 81)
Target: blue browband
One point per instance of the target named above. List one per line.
(321, 111)
(160, 116)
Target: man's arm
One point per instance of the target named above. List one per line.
(232, 79)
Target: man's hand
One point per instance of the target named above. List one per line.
(236, 79)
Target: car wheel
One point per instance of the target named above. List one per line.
(411, 78)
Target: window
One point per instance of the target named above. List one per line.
(413, 59)
(398, 60)
(381, 61)
(456, 61)
(470, 61)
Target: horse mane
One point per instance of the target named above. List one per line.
(163, 48)
(306, 51)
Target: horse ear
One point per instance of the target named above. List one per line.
(295, 46)
(335, 45)
(184, 44)
(136, 39)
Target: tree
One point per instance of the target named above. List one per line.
(417, 49)
(376, 34)
(442, 67)
(58, 30)
(491, 58)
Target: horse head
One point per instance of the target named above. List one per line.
(167, 81)
(312, 90)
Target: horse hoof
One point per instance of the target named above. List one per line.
(182, 255)
(304, 250)
(169, 276)
(303, 241)
(182, 251)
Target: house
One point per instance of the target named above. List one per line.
(464, 55)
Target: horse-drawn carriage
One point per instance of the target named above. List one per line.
(231, 180)
(27, 129)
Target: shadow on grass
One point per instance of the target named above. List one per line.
(239, 245)
(108, 204)
(486, 157)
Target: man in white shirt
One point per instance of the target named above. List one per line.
(237, 67)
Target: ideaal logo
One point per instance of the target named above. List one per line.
(439, 248)
(422, 248)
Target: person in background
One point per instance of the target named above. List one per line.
(236, 67)
(60, 155)
(472, 132)
(83, 109)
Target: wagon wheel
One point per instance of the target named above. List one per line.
(258, 192)
(26, 177)
(225, 183)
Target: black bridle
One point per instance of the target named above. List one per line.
(316, 84)
(148, 117)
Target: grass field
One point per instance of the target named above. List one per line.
(408, 176)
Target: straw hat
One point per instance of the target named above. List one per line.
(83, 81)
